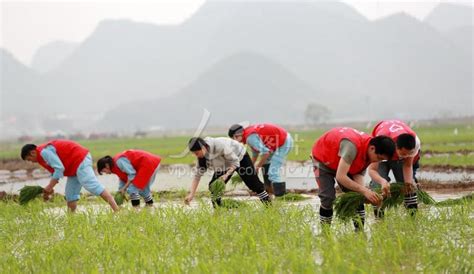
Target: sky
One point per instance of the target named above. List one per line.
(27, 25)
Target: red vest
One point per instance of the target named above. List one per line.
(144, 164)
(272, 136)
(326, 148)
(70, 153)
(392, 129)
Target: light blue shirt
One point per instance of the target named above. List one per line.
(51, 157)
(125, 166)
(257, 145)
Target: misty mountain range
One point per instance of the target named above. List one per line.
(256, 61)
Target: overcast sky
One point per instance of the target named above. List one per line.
(27, 25)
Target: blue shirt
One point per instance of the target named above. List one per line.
(125, 166)
(51, 157)
(257, 145)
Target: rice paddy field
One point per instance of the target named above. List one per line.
(244, 236)
(284, 238)
(442, 146)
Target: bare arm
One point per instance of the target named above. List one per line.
(124, 188)
(49, 189)
(263, 160)
(408, 173)
(375, 176)
(346, 181)
(192, 192)
(228, 173)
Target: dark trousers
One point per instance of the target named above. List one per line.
(248, 174)
(396, 166)
(326, 181)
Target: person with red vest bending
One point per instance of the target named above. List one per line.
(66, 158)
(403, 164)
(272, 143)
(343, 154)
(136, 170)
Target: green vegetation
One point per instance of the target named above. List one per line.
(435, 139)
(282, 238)
(28, 193)
(346, 204)
(119, 198)
(291, 197)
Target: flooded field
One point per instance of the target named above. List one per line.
(178, 177)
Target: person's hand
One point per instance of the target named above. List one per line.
(385, 189)
(410, 187)
(47, 192)
(224, 177)
(123, 190)
(372, 197)
(188, 198)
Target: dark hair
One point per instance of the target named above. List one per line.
(234, 129)
(26, 149)
(196, 143)
(406, 141)
(103, 161)
(383, 145)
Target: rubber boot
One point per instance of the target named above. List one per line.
(217, 202)
(279, 189)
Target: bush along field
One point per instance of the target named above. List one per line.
(283, 238)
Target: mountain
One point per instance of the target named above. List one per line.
(447, 16)
(18, 85)
(397, 66)
(125, 60)
(51, 55)
(243, 87)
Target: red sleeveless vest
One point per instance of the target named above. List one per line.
(392, 129)
(70, 153)
(144, 164)
(272, 136)
(326, 148)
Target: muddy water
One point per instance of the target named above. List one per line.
(177, 177)
(312, 201)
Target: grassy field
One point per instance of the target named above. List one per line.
(253, 239)
(435, 140)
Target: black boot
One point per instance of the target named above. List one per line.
(217, 202)
(279, 189)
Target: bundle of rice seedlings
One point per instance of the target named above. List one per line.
(346, 204)
(119, 198)
(397, 192)
(396, 196)
(217, 188)
(425, 198)
(28, 193)
(235, 180)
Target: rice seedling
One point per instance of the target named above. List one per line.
(232, 203)
(28, 193)
(236, 180)
(346, 204)
(217, 188)
(119, 198)
(291, 197)
(283, 238)
(462, 200)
